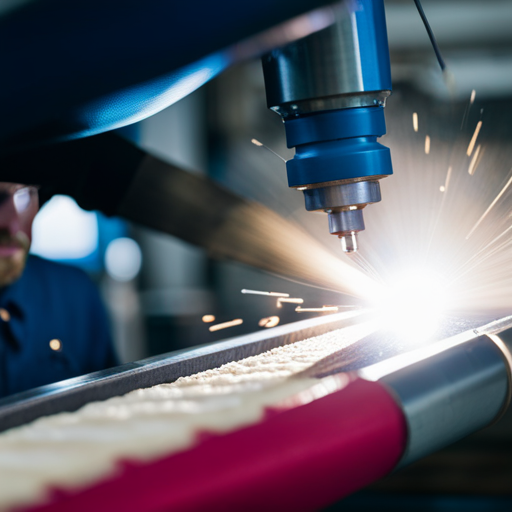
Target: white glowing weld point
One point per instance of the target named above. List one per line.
(225, 325)
(291, 300)
(268, 322)
(268, 294)
(256, 142)
(427, 145)
(441, 188)
(472, 142)
(415, 121)
(316, 310)
(412, 306)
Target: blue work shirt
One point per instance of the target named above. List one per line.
(49, 302)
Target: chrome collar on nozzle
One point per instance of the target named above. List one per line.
(330, 88)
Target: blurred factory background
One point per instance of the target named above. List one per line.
(158, 288)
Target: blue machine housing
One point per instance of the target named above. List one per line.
(337, 145)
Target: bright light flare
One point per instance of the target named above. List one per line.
(413, 305)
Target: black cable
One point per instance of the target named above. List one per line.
(430, 35)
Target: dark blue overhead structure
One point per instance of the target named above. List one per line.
(76, 68)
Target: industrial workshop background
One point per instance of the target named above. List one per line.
(159, 289)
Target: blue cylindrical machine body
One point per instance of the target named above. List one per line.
(337, 145)
(330, 88)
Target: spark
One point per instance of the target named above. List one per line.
(365, 265)
(427, 144)
(256, 142)
(496, 199)
(473, 164)
(468, 107)
(464, 268)
(270, 321)
(482, 260)
(268, 294)
(291, 300)
(473, 139)
(415, 121)
(316, 310)
(225, 325)
(342, 306)
(447, 180)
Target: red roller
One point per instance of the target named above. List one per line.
(301, 458)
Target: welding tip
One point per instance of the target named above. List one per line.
(349, 243)
(346, 224)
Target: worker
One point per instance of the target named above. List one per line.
(53, 325)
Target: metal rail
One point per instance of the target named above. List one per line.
(71, 394)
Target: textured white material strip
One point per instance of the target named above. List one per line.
(76, 449)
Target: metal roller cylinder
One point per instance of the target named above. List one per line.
(451, 394)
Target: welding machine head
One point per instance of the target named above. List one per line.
(330, 89)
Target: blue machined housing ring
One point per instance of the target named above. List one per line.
(337, 145)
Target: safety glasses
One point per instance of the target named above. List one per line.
(23, 196)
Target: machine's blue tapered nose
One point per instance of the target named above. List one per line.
(337, 145)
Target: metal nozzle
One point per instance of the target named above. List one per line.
(333, 121)
(344, 205)
(346, 224)
(349, 243)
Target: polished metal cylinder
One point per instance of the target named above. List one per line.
(346, 222)
(451, 394)
(345, 65)
(359, 193)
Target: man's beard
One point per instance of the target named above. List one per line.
(11, 267)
